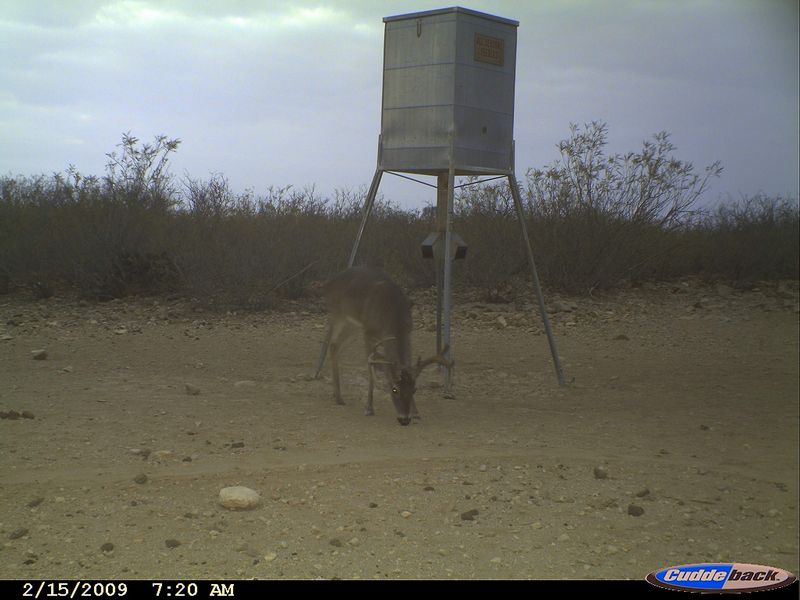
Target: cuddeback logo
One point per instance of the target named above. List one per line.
(724, 577)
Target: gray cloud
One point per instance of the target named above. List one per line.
(289, 92)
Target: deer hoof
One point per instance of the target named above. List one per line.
(368, 412)
(339, 401)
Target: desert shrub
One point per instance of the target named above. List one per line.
(749, 239)
(599, 219)
(485, 217)
(594, 221)
(83, 231)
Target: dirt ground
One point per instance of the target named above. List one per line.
(676, 441)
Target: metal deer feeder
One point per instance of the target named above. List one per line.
(447, 111)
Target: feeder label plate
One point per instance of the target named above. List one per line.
(489, 50)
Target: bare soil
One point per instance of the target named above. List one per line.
(676, 441)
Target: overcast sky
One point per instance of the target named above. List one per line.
(278, 93)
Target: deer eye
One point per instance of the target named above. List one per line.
(394, 390)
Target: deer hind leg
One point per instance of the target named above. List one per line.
(340, 331)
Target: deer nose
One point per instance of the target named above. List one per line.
(404, 420)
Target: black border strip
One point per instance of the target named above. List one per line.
(256, 589)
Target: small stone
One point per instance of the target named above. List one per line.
(270, 556)
(36, 502)
(469, 515)
(501, 322)
(622, 337)
(140, 478)
(564, 537)
(26, 414)
(239, 498)
(405, 514)
(336, 542)
(600, 472)
(107, 547)
(642, 493)
(160, 455)
(18, 533)
(248, 550)
(354, 541)
(39, 354)
(723, 290)
(245, 383)
(172, 543)
(559, 306)
(373, 505)
(192, 390)
(635, 511)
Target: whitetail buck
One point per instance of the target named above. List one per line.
(366, 297)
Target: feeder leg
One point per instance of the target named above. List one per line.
(438, 258)
(512, 180)
(373, 191)
(448, 273)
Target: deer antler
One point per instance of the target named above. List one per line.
(377, 359)
(439, 358)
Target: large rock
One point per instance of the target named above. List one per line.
(239, 498)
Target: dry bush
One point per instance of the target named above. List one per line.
(601, 220)
(485, 218)
(594, 221)
(747, 240)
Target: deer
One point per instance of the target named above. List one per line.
(367, 298)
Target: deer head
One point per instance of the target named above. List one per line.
(402, 380)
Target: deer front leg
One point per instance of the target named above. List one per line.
(368, 410)
(339, 333)
(337, 393)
